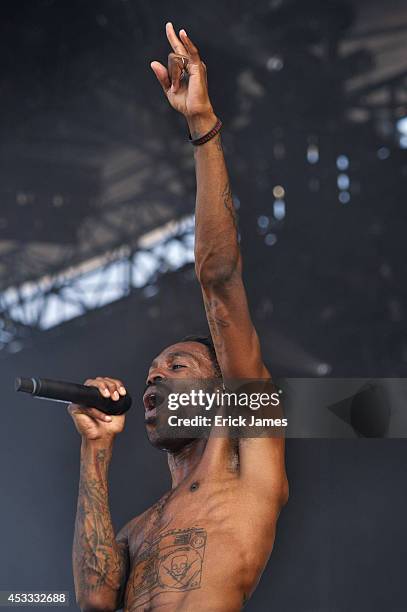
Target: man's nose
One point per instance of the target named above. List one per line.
(155, 377)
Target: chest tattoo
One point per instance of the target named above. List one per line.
(170, 561)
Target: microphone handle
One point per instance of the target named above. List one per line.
(72, 392)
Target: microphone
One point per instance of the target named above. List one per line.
(45, 388)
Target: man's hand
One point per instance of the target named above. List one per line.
(93, 424)
(184, 82)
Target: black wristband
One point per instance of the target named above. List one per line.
(202, 139)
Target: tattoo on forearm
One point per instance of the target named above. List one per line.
(171, 562)
(216, 324)
(228, 203)
(218, 142)
(214, 321)
(98, 559)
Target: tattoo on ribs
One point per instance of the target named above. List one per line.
(172, 562)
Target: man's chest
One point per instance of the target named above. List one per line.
(166, 554)
(190, 539)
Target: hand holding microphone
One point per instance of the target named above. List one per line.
(97, 407)
(92, 423)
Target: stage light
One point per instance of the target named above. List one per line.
(279, 209)
(275, 63)
(263, 222)
(383, 153)
(342, 162)
(270, 239)
(312, 154)
(402, 126)
(344, 197)
(323, 369)
(343, 181)
(278, 192)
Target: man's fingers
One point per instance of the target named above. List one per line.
(94, 413)
(100, 384)
(189, 46)
(173, 39)
(97, 414)
(161, 73)
(119, 385)
(108, 387)
(116, 387)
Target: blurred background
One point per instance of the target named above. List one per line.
(97, 192)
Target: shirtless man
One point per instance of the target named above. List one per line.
(204, 544)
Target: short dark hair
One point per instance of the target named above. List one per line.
(208, 342)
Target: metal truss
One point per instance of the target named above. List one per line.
(35, 306)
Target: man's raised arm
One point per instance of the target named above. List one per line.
(217, 255)
(218, 261)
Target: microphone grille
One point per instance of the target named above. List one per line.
(24, 384)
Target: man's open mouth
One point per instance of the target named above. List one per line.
(152, 400)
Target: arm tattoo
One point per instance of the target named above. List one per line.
(98, 559)
(228, 203)
(216, 325)
(215, 322)
(218, 142)
(172, 561)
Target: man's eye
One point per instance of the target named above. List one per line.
(176, 366)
